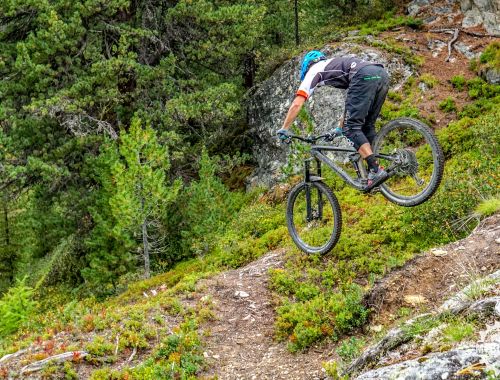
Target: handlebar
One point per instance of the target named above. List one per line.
(308, 139)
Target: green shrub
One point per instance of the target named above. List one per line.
(16, 307)
(324, 315)
(99, 347)
(491, 55)
(458, 330)
(350, 348)
(478, 88)
(448, 105)
(429, 79)
(458, 82)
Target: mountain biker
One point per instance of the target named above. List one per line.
(367, 84)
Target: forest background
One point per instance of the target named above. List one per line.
(117, 119)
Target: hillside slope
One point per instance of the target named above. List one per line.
(252, 307)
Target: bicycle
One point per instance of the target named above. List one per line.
(407, 149)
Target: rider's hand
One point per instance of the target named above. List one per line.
(284, 134)
(334, 133)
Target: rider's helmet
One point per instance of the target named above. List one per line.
(309, 59)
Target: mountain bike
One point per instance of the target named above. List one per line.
(405, 147)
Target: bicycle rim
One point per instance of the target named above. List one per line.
(316, 230)
(416, 157)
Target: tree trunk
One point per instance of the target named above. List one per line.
(145, 243)
(9, 257)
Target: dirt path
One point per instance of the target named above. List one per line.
(240, 344)
(240, 341)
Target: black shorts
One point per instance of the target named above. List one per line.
(365, 97)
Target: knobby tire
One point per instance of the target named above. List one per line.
(329, 197)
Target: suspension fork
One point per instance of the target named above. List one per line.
(307, 179)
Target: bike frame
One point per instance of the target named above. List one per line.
(316, 151)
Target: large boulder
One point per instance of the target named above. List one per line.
(485, 12)
(460, 363)
(270, 101)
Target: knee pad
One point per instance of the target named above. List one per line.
(370, 135)
(357, 137)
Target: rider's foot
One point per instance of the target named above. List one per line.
(375, 178)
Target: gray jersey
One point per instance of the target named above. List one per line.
(336, 72)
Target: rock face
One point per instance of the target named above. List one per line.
(269, 103)
(486, 12)
(475, 12)
(453, 364)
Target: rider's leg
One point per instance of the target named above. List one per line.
(359, 101)
(369, 127)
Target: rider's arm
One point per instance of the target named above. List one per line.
(293, 111)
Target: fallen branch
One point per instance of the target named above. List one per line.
(61, 358)
(132, 356)
(451, 42)
(448, 30)
(12, 356)
(117, 344)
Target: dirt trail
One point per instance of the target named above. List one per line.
(240, 344)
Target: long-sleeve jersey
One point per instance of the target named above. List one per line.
(336, 72)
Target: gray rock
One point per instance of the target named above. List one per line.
(472, 18)
(492, 76)
(437, 365)
(465, 50)
(430, 19)
(462, 298)
(269, 103)
(415, 6)
(423, 87)
(485, 12)
(442, 10)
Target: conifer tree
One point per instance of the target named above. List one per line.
(137, 193)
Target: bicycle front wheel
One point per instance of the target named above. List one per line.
(409, 147)
(313, 217)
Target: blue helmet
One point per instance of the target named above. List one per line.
(309, 59)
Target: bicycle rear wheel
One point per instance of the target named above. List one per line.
(410, 148)
(313, 217)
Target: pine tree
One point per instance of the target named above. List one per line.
(137, 192)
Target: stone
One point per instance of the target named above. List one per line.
(492, 76)
(485, 12)
(472, 18)
(241, 294)
(465, 50)
(423, 87)
(438, 364)
(415, 300)
(442, 10)
(439, 252)
(415, 6)
(436, 46)
(269, 103)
